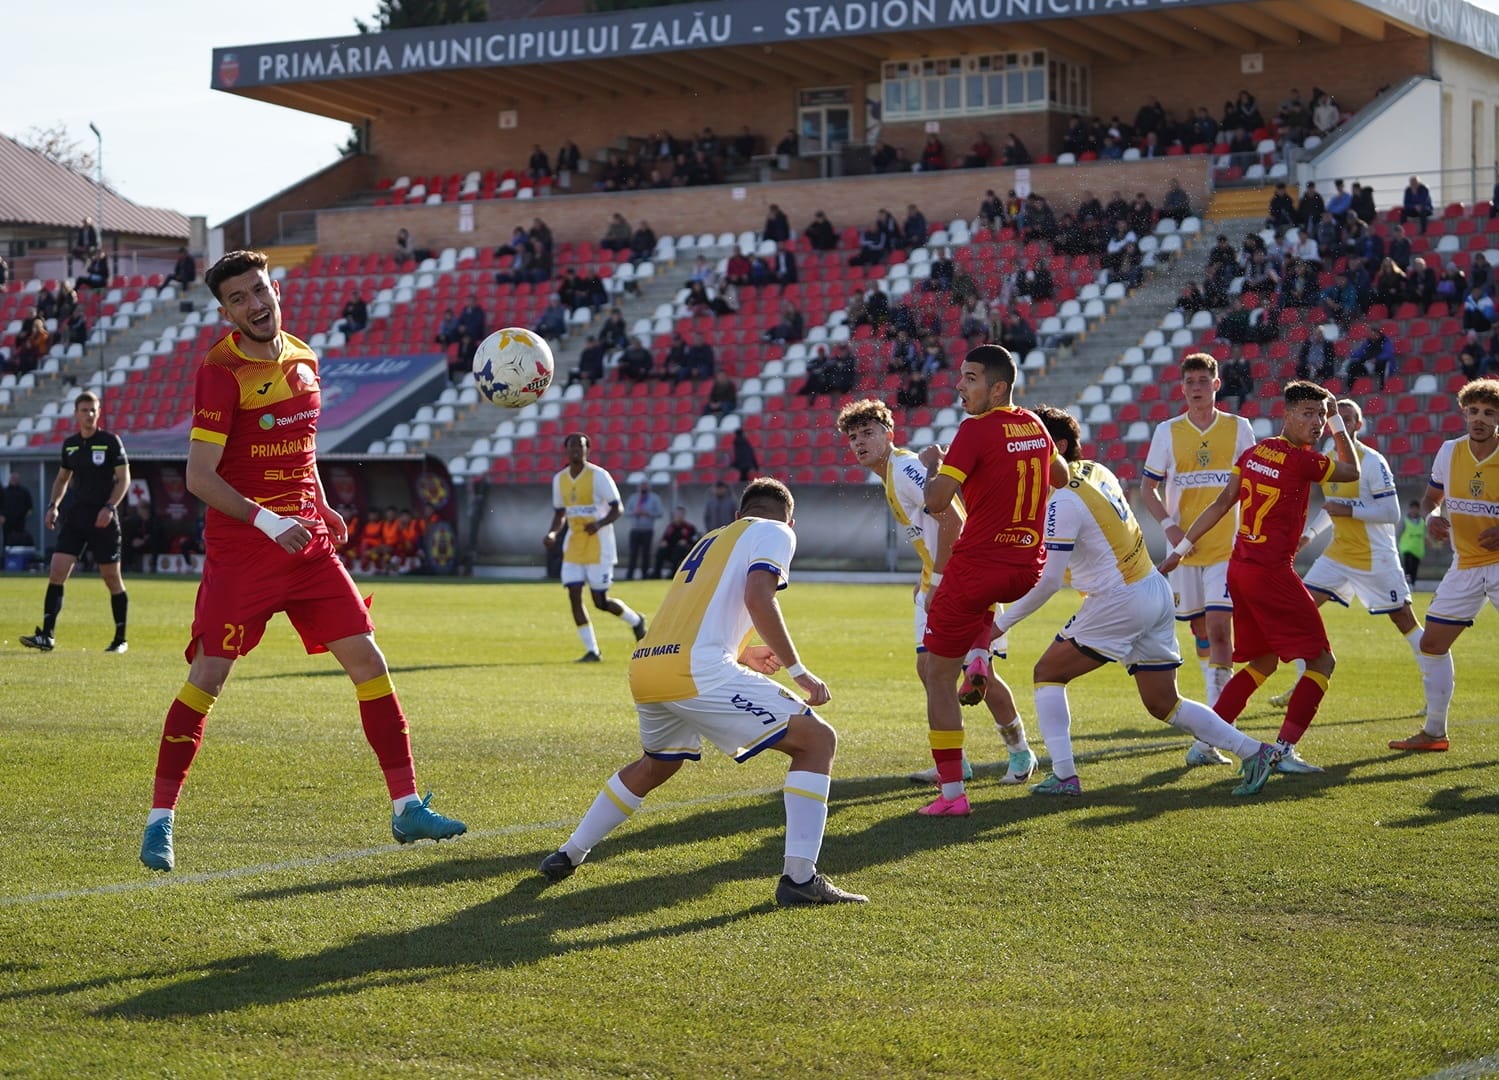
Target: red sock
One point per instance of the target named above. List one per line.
(385, 729)
(181, 735)
(949, 765)
(1237, 692)
(1302, 708)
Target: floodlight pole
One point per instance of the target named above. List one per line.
(99, 228)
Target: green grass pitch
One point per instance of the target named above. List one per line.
(1343, 925)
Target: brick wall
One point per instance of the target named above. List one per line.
(345, 177)
(852, 201)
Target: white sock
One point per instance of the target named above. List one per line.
(630, 616)
(1300, 671)
(1218, 676)
(953, 790)
(1013, 734)
(611, 808)
(975, 654)
(157, 813)
(1055, 722)
(1207, 673)
(1413, 639)
(590, 642)
(1437, 678)
(398, 805)
(806, 798)
(1197, 719)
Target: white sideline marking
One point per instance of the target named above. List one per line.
(175, 880)
(1488, 1065)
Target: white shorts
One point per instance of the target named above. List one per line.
(1201, 588)
(599, 576)
(999, 647)
(1382, 588)
(742, 715)
(1461, 593)
(1131, 625)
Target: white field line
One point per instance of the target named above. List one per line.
(175, 880)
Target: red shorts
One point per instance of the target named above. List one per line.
(243, 587)
(961, 608)
(1273, 613)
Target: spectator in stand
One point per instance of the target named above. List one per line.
(1329, 236)
(914, 230)
(1176, 205)
(1014, 153)
(642, 243)
(1309, 212)
(876, 241)
(844, 369)
(789, 146)
(65, 303)
(613, 333)
(86, 239)
(1400, 248)
(1326, 116)
(1037, 221)
(792, 326)
(4, 272)
(141, 538)
(1141, 215)
(1192, 300)
(76, 328)
(32, 342)
(1015, 333)
(356, 316)
(617, 236)
(721, 507)
(736, 271)
(185, 270)
(991, 213)
(1481, 273)
(980, 153)
(821, 234)
(1376, 355)
(538, 166)
(590, 367)
(1120, 239)
(1116, 210)
(1341, 202)
(447, 329)
(1416, 203)
(1478, 311)
(819, 376)
(697, 301)
(552, 322)
(777, 227)
(973, 321)
(519, 240)
(701, 360)
(1151, 147)
(1421, 284)
(743, 456)
(15, 507)
(1305, 249)
(541, 237)
(1316, 348)
(1363, 203)
(1340, 301)
(1237, 380)
(933, 157)
(1471, 359)
(675, 360)
(1130, 268)
(1452, 286)
(905, 354)
(723, 396)
(676, 541)
(1282, 213)
(97, 274)
(783, 269)
(1204, 128)
(1036, 282)
(742, 147)
(1299, 286)
(568, 157)
(1248, 111)
(636, 362)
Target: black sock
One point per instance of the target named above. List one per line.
(50, 607)
(119, 603)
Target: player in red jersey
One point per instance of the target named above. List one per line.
(1275, 618)
(1005, 464)
(271, 541)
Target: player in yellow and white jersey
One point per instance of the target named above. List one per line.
(586, 497)
(696, 677)
(1464, 476)
(869, 427)
(1361, 560)
(1127, 617)
(1189, 461)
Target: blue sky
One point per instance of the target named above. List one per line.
(168, 139)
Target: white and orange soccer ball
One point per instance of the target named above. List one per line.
(513, 367)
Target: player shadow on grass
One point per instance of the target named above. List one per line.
(532, 920)
(1449, 804)
(337, 672)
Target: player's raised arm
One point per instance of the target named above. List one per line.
(765, 613)
(940, 488)
(1346, 467)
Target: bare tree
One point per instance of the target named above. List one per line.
(56, 143)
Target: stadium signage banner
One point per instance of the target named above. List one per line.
(1450, 20)
(632, 33)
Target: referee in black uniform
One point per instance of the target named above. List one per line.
(94, 466)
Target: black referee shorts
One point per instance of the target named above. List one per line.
(78, 532)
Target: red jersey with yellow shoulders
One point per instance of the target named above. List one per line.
(264, 414)
(1275, 480)
(1002, 459)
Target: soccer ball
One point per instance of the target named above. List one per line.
(513, 367)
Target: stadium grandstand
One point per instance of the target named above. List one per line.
(1019, 132)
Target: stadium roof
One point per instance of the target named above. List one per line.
(35, 190)
(772, 43)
